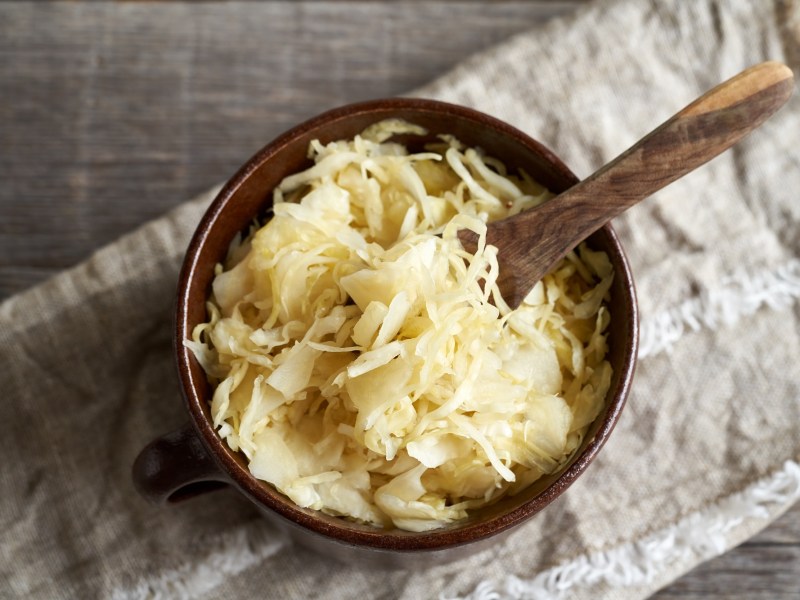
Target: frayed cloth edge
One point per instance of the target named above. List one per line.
(740, 294)
(695, 538)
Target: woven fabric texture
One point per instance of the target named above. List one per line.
(88, 376)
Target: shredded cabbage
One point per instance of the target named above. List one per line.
(365, 363)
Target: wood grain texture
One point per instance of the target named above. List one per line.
(110, 114)
(708, 126)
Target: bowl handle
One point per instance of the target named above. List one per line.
(176, 467)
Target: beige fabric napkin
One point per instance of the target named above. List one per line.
(704, 456)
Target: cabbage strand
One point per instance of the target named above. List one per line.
(359, 360)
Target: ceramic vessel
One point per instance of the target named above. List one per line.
(195, 459)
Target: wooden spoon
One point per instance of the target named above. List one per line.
(532, 242)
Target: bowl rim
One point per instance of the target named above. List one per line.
(341, 530)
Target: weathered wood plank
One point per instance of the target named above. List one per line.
(749, 574)
(112, 113)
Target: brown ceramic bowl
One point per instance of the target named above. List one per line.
(195, 459)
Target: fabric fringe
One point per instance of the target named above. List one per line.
(233, 553)
(698, 537)
(701, 535)
(740, 295)
(704, 534)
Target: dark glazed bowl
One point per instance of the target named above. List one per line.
(195, 459)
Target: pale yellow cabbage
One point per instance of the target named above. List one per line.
(366, 364)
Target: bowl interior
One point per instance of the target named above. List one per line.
(249, 195)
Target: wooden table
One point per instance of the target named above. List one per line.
(111, 113)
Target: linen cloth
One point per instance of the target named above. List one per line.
(705, 453)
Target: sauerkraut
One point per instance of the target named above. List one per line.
(367, 365)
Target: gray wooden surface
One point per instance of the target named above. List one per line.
(110, 114)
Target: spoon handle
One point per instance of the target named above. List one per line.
(695, 135)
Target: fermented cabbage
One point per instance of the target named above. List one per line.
(367, 365)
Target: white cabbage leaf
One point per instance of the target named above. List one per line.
(366, 364)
